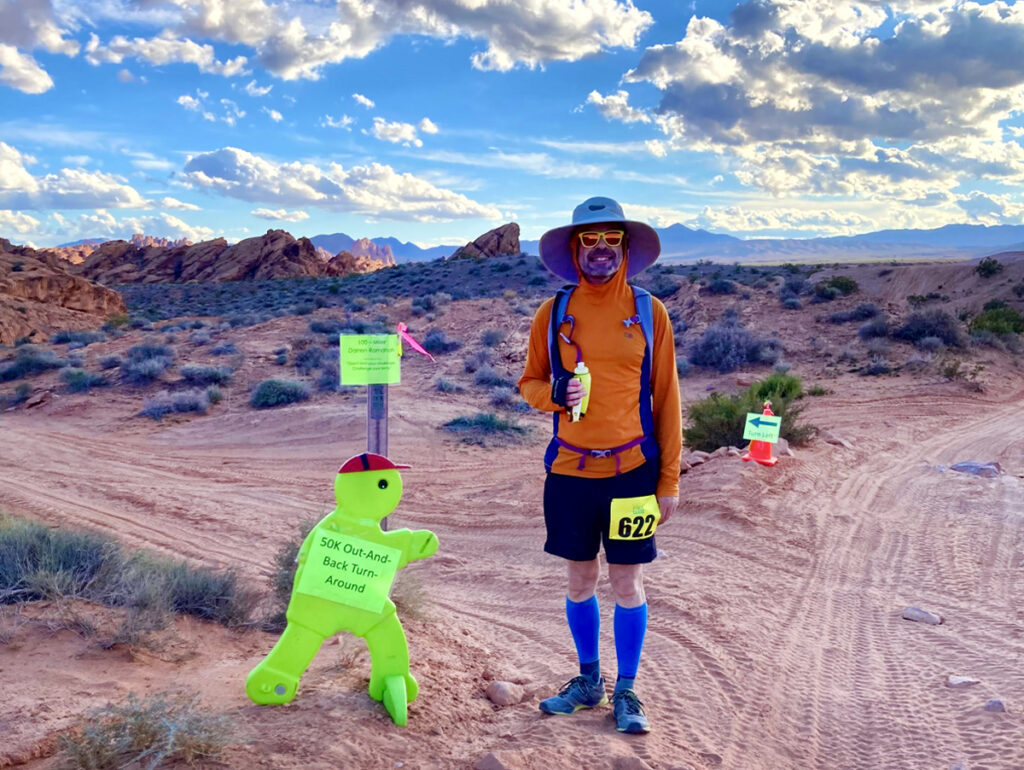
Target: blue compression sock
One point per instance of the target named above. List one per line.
(585, 624)
(630, 629)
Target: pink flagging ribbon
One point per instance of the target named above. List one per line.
(403, 333)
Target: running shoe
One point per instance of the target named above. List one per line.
(580, 692)
(629, 713)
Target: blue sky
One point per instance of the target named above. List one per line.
(437, 120)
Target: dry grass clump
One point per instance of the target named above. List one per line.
(145, 733)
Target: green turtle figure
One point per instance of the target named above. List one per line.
(345, 569)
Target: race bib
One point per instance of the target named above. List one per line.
(634, 518)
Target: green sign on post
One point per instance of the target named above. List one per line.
(370, 359)
(349, 570)
(762, 427)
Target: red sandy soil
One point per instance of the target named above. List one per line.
(776, 639)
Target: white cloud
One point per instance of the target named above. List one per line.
(989, 209)
(193, 103)
(427, 126)
(230, 112)
(18, 222)
(76, 160)
(775, 221)
(616, 107)
(274, 115)
(147, 161)
(280, 215)
(344, 122)
(254, 90)
(396, 133)
(102, 224)
(845, 99)
(68, 189)
(376, 190)
(125, 76)
(174, 203)
(28, 25)
(161, 50)
(365, 101)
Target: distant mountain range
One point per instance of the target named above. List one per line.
(679, 242)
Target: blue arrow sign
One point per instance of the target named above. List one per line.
(757, 422)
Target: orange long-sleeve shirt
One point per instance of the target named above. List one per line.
(613, 352)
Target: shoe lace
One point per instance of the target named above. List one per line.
(577, 683)
(630, 703)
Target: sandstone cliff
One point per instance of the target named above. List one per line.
(38, 296)
(274, 255)
(501, 240)
(364, 247)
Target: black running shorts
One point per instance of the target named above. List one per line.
(577, 514)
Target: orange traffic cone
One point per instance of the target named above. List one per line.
(761, 451)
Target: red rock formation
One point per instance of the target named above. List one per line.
(501, 240)
(38, 296)
(364, 247)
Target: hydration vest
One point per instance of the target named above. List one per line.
(644, 317)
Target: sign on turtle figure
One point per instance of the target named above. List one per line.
(346, 566)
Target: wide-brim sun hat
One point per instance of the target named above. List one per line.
(642, 243)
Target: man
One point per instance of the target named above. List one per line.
(613, 471)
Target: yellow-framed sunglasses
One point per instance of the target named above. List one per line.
(590, 238)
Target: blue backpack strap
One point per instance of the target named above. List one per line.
(558, 309)
(645, 311)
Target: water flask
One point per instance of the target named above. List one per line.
(582, 373)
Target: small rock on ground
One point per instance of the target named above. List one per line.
(995, 705)
(490, 762)
(921, 616)
(960, 681)
(505, 693)
(985, 470)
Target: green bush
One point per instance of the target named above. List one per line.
(988, 267)
(83, 338)
(271, 393)
(29, 360)
(81, 381)
(195, 374)
(719, 419)
(37, 563)
(152, 732)
(485, 429)
(998, 320)
(843, 284)
(930, 323)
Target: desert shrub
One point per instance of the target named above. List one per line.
(492, 337)
(81, 338)
(843, 284)
(143, 372)
(794, 286)
(164, 403)
(20, 396)
(485, 429)
(332, 327)
(998, 320)
(488, 376)
(878, 366)
(30, 360)
(110, 362)
(818, 390)
(1018, 290)
(876, 327)
(792, 303)
(37, 562)
(309, 359)
(682, 366)
(507, 397)
(148, 732)
(720, 286)
(718, 420)
(930, 323)
(214, 394)
(862, 312)
(81, 381)
(195, 374)
(477, 359)
(930, 344)
(825, 293)
(224, 349)
(725, 345)
(423, 304)
(437, 342)
(271, 393)
(442, 385)
(201, 337)
(988, 267)
(878, 346)
(658, 282)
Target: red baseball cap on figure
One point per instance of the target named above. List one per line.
(368, 461)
